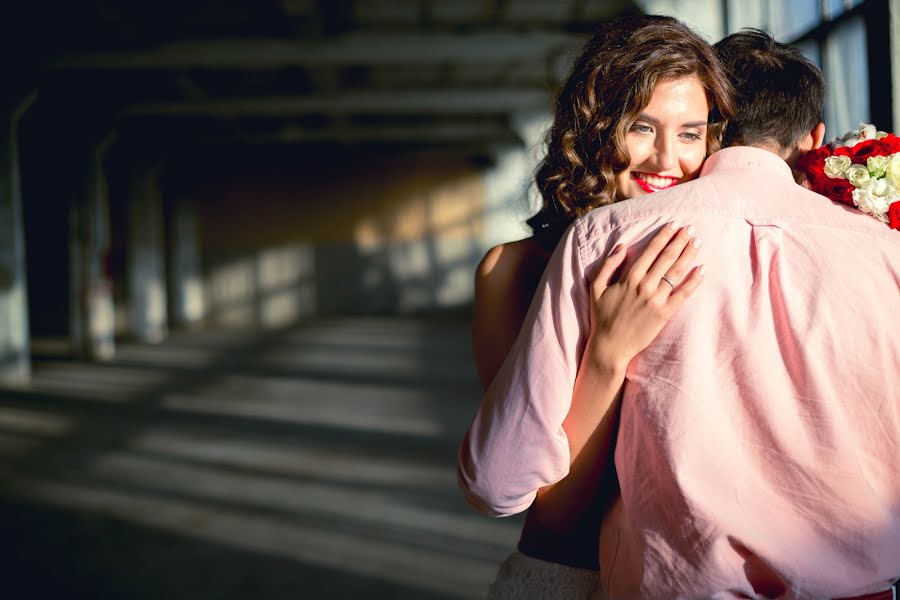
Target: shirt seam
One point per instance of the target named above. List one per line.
(581, 241)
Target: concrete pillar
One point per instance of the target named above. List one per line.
(187, 293)
(15, 363)
(148, 314)
(92, 311)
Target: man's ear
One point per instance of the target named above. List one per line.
(818, 136)
(811, 140)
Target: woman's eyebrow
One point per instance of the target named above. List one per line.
(655, 121)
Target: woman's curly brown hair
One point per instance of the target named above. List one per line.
(611, 82)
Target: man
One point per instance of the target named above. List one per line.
(759, 433)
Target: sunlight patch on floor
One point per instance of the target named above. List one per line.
(107, 383)
(379, 508)
(296, 459)
(357, 407)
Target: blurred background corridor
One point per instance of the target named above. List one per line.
(237, 245)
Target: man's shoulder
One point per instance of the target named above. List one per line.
(747, 198)
(698, 197)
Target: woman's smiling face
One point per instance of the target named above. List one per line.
(667, 141)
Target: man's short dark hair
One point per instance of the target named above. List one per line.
(779, 93)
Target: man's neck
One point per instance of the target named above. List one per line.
(775, 149)
(790, 156)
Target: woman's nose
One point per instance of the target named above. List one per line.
(665, 153)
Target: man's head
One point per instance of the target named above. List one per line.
(779, 95)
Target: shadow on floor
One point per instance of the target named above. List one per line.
(315, 462)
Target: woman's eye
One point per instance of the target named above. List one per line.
(641, 128)
(692, 136)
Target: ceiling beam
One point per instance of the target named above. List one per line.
(355, 49)
(436, 133)
(434, 102)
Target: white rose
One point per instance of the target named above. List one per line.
(858, 175)
(892, 171)
(874, 199)
(836, 166)
(877, 165)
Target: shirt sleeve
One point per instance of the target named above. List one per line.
(516, 443)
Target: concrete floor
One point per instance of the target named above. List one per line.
(316, 462)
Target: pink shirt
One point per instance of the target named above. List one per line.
(759, 442)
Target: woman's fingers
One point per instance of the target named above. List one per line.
(610, 264)
(643, 262)
(683, 248)
(627, 315)
(684, 291)
(677, 246)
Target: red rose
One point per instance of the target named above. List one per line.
(890, 144)
(813, 162)
(863, 150)
(859, 153)
(839, 190)
(894, 215)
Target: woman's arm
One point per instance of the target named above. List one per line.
(626, 315)
(504, 284)
(501, 299)
(516, 445)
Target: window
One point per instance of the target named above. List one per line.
(787, 20)
(847, 77)
(848, 39)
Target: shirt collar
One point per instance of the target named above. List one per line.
(746, 157)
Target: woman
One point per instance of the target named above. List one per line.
(633, 117)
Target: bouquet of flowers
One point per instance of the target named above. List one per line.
(862, 169)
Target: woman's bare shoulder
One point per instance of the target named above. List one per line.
(504, 265)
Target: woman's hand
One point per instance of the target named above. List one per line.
(628, 314)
